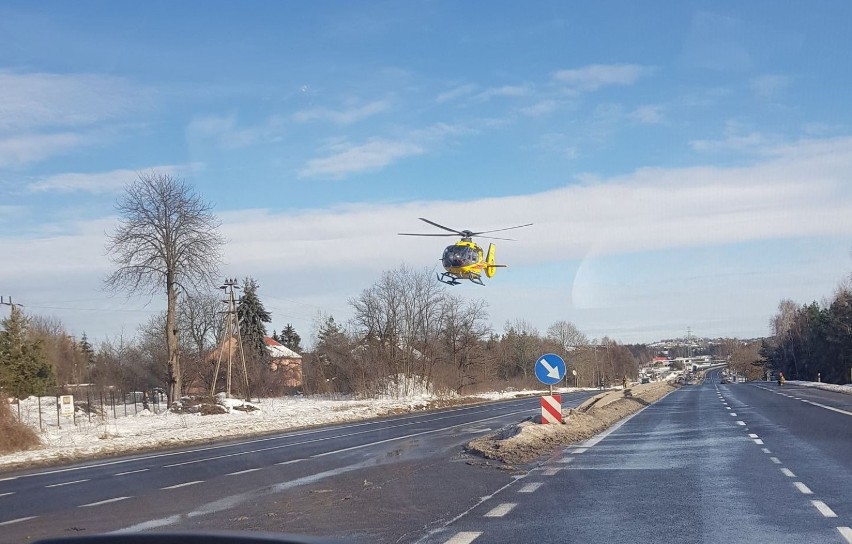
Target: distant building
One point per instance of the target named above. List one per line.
(286, 361)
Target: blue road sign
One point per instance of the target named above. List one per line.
(550, 369)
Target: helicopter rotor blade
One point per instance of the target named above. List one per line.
(498, 230)
(421, 234)
(497, 238)
(460, 233)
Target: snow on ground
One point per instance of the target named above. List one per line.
(66, 438)
(827, 386)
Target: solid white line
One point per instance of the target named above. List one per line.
(787, 472)
(551, 471)
(67, 483)
(131, 472)
(11, 521)
(846, 532)
(183, 484)
(758, 441)
(529, 488)
(102, 502)
(9, 493)
(765, 450)
(242, 472)
(465, 537)
(832, 408)
(740, 422)
(824, 509)
(803, 488)
(775, 460)
(501, 510)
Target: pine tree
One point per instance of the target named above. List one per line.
(252, 317)
(290, 338)
(24, 370)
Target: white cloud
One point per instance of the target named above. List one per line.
(455, 93)
(647, 114)
(99, 182)
(595, 76)
(345, 159)
(506, 91)
(24, 149)
(36, 100)
(768, 85)
(343, 117)
(540, 108)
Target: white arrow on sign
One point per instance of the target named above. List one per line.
(552, 372)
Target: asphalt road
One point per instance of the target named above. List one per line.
(370, 481)
(708, 463)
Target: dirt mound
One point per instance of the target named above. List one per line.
(524, 442)
(14, 436)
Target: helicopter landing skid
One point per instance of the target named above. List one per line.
(451, 279)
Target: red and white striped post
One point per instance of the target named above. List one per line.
(551, 409)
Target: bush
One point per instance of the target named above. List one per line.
(14, 435)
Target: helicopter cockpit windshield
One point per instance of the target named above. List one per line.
(457, 256)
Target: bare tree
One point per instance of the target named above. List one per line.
(567, 336)
(167, 239)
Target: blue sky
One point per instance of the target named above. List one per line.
(686, 165)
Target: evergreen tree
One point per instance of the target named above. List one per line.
(290, 338)
(24, 369)
(252, 317)
(88, 354)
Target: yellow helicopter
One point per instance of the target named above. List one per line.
(465, 260)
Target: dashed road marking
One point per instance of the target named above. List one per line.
(741, 423)
(551, 471)
(465, 537)
(803, 488)
(242, 472)
(733, 414)
(19, 520)
(758, 441)
(579, 450)
(501, 510)
(290, 462)
(131, 472)
(183, 484)
(787, 472)
(9, 493)
(68, 483)
(566, 460)
(765, 450)
(846, 532)
(824, 509)
(775, 460)
(727, 407)
(116, 499)
(531, 487)
(752, 435)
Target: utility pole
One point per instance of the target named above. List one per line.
(232, 331)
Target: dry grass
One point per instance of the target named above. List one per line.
(15, 436)
(526, 441)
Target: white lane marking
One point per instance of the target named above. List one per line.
(442, 429)
(531, 487)
(752, 435)
(758, 441)
(803, 488)
(733, 414)
(775, 460)
(242, 472)
(465, 537)
(832, 408)
(727, 407)
(797, 398)
(740, 422)
(8, 479)
(19, 520)
(116, 499)
(579, 450)
(183, 484)
(846, 532)
(566, 460)
(290, 462)
(131, 472)
(67, 483)
(550, 471)
(501, 510)
(788, 473)
(824, 509)
(9, 493)
(765, 450)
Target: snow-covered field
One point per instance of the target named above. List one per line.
(109, 434)
(827, 386)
